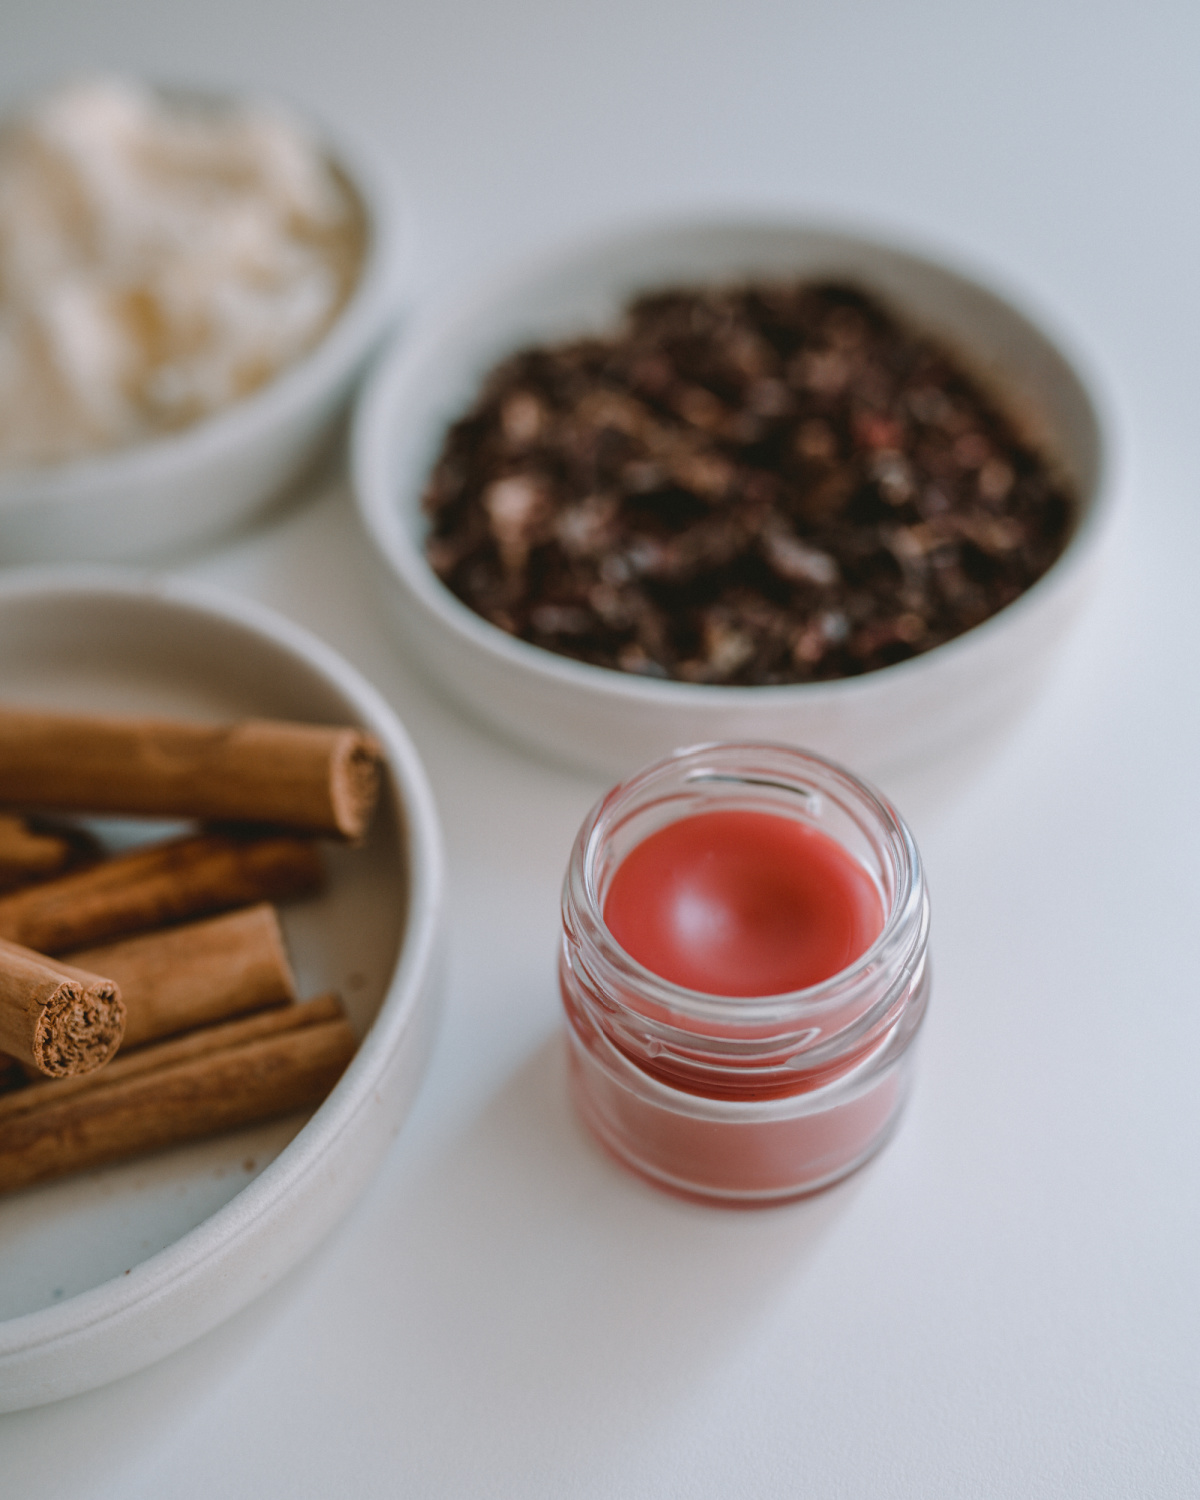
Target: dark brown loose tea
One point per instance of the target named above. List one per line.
(761, 484)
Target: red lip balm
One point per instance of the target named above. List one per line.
(742, 903)
(743, 969)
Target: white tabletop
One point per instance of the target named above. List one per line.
(1007, 1301)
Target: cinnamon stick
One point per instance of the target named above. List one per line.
(306, 776)
(194, 975)
(177, 1049)
(184, 1101)
(156, 885)
(28, 854)
(54, 1017)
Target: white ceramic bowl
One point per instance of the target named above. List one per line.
(611, 722)
(171, 493)
(108, 1271)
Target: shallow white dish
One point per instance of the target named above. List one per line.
(612, 722)
(104, 1273)
(171, 493)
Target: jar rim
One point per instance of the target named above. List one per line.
(901, 940)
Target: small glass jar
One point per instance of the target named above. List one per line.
(727, 1098)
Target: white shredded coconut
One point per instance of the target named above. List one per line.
(159, 259)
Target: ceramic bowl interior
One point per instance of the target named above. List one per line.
(106, 1271)
(611, 722)
(190, 487)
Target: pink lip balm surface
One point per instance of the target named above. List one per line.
(742, 903)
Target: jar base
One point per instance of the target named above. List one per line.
(741, 1163)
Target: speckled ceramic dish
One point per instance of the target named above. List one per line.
(103, 1273)
(611, 721)
(170, 493)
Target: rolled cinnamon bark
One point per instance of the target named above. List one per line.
(54, 1017)
(196, 974)
(27, 854)
(156, 885)
(199, 1043)
(305, 776)
(199, 1096)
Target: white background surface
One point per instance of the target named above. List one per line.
(1007, 1302)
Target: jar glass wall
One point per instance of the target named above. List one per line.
(743, 1099)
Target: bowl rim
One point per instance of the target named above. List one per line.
(188, 1257)
(366, 315)
(401, 363)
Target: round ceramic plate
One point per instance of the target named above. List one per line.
(103, 1273)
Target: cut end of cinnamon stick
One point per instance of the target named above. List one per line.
(26, 854)
(31, 850)
(79, 1029)
(355, 779)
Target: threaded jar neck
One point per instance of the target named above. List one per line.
(744, 1046)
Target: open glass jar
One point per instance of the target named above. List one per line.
(743, 1099)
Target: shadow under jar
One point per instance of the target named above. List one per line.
(744, 1099)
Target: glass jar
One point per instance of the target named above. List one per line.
(734, 1099)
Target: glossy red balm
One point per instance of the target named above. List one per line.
(740, 902)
